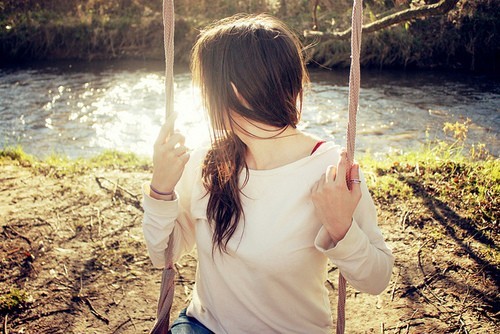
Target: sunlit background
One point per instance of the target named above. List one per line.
(80, 110)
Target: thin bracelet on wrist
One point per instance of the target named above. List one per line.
(160, 192)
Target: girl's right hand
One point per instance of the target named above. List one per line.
(169, 158)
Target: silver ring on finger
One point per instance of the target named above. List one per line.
(355, 181)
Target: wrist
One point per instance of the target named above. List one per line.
(160, 192)
(161, 195)
(338, 232)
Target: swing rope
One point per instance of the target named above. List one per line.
(354, 87)
(168, 42)
(354, 77)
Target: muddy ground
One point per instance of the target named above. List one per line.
(74, 244)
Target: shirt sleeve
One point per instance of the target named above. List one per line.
(362, 255)
(162, 218)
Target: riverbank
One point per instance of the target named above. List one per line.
(78, 109)
(463, 38)
(74, 259)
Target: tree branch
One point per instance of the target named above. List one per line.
(315, 15)
(439, 8)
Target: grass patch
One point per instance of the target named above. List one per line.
(122, 160)
(16, 153)
(60, 165)
(13, 300)
(451, 190)
(469, 185)
(449, 164)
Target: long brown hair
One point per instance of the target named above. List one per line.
(264, 61)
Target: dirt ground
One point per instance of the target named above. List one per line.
(74, 243)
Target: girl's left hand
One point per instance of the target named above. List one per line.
(334, 201)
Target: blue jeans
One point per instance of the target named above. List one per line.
(188, 325)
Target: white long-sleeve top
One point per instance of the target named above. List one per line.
(272, 278)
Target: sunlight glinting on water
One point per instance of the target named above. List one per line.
(82, 111)
(141, 118)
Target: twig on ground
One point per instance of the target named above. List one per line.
(121, 325)
(58, 281)
(412, 288)
(91, 228)
(93, 310)
(115, 185)
(413, 314)
(65, 271)
(99, 223)
(331, 284)
(420, 260)
(131, 320)
(5, 330)
(113, 295)
(46, 314)
(41, 222)
(464, 308)
(16, 233)
(420, 266)
(394, 287)
(332, 269)
(404, 218)
(462, 325)
(189, 281)
(81, 285)
(12, 251)
(121, 229)
(398, 327)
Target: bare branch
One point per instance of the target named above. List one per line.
(315, 15)
(439, 8)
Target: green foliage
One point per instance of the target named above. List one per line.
(16, 153)
(60, 165)
(78, 29)
(387, 189)
(446, 170)
(466, 37)
(13, 300)
(116, 159)
(333, 54)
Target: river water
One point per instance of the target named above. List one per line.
(80, 109)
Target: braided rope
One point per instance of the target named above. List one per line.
(354, 85)
(168, 41)
(167, 287)
(354, 77)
